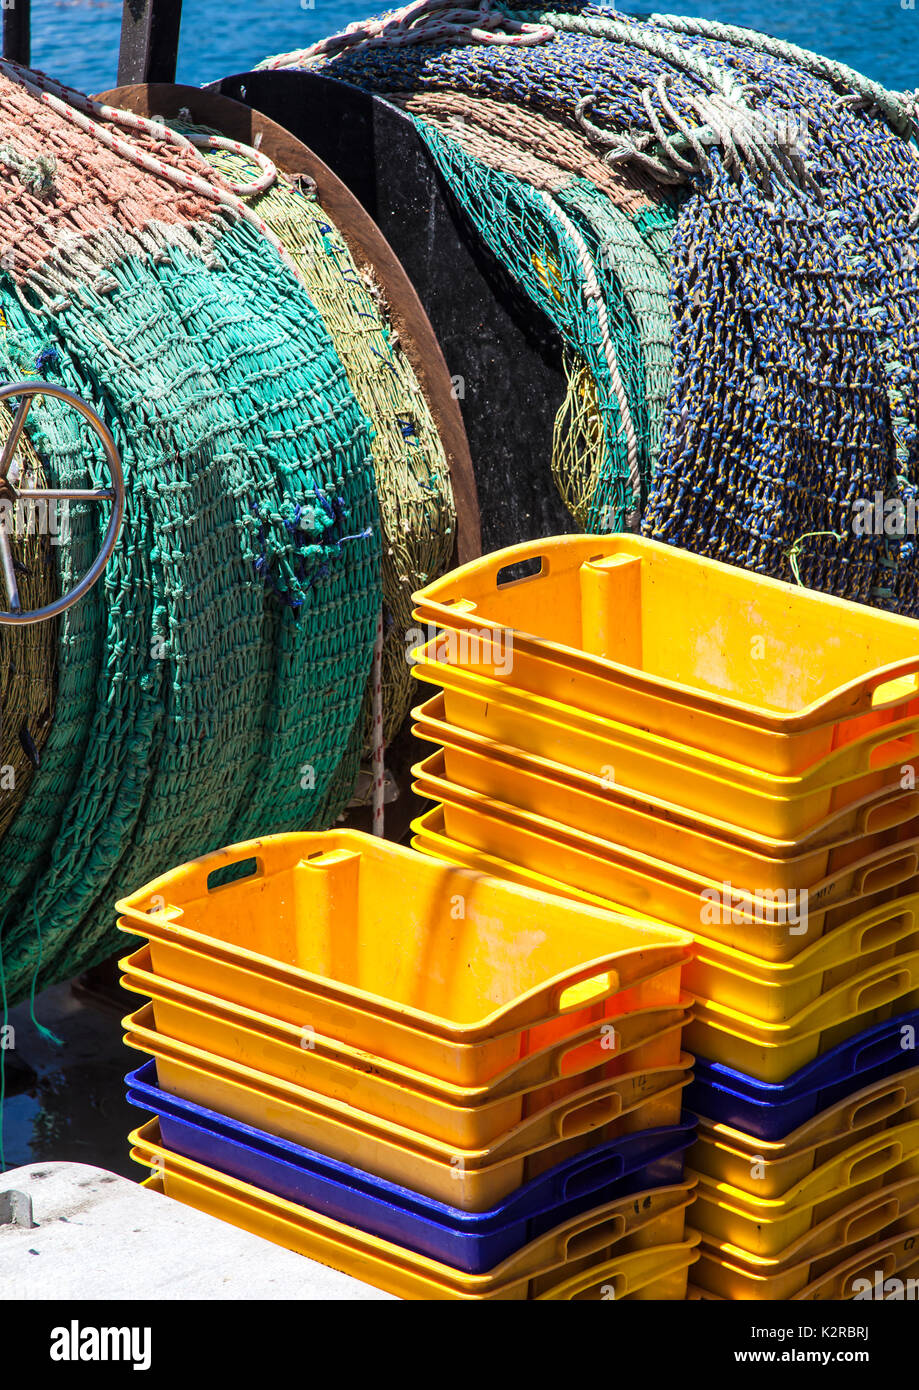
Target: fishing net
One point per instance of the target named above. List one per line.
(578, 443)
(555, 262)
(495, 141)
(527, 144)
(415, 496)
(786, 225)
(603, 205)
(631, 266)
(211, 685)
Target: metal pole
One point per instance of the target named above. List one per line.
(149, 41)
(17, 32)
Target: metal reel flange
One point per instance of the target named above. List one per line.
(10, 470)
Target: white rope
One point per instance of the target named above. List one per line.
(754, 141)
(242, 190)
(423, 21)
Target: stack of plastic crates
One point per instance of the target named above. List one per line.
(732, 756)
(446, 1085)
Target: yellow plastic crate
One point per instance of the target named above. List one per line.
(772, 991)
(765, 1225)
(731, 1273)
(612, 1239)
(469, 1118)
(867, 1269)
(643, 1037)
(770, 1169)
(659, 1275)
(644, 886)
(712, 655)
(773, 1051)
(896, 1255)
(827, 876)
(705, 783)
(599, 806)
(776, 992)
(469, 975)
(430, 838)
(473, 1179)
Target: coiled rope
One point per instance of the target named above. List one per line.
(422, 22)
(212, 685)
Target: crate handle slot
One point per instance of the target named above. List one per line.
(156, 906)
(892, 751)
(617, 1282)
(878, 992)
(521, 571)
(571, 1062)
(491, 569)
(895, 690)
(872, 1164)
(888, 875)
(234, 871)
(594, 1238)
(870, 1222)
(876, 935)
(873, 1054)
(883, 1267)
(595, 1175)
(897, 811)
(879, 1108)
(459, 605)
(581, 1118)
(579, 994)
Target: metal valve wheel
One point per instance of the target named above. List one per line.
(10, 469)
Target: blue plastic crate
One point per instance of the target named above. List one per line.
(770, 1110)
(473, 1242)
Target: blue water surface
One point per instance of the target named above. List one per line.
(77, 40)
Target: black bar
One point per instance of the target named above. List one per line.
(725, 1341)
(149, 41)
(17, 32)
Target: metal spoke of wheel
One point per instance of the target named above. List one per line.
(12, 441)
(9, 572)
(10, 468)
(65, 494)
